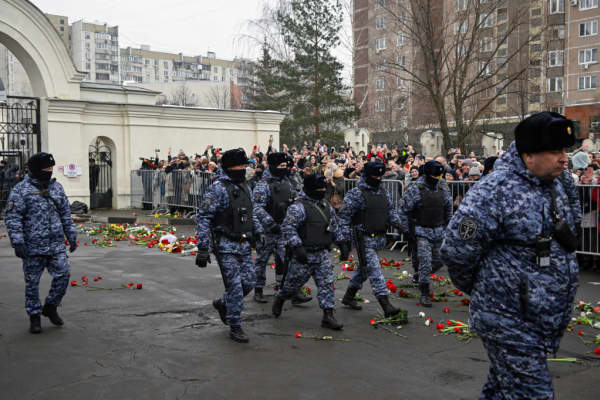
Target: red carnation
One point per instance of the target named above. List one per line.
(84, 278)
(597, 309)
(446, 310)
(579, 333)
(138, 286)
(439, 327)
(597, 351)
(164, 241)
(457, 329)
(298, 335)
(73, 283)
(450, 323)
(371, 322)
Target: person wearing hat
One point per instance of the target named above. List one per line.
(38, 219)
(488, 165)
(367, 210)
(309, 229)
(511, 246)
(227, 226)
(428, 205)
(272, 197)
(474, 174)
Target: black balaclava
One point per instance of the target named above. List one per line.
(233, 158)
(258, 171)
(37, 163)
(433, 171)
(312, 184)
(372, 173)
(274, 159)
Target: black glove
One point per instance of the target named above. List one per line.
(72, 246)
(300, 254)
(345, 248)
(20, 251)
(275, 229)
(202, 258)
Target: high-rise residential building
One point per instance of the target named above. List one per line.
(95, 51)
(555, 43)
(61, 23)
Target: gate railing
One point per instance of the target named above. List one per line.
(183, 191)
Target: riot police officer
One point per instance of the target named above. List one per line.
(38, 219)
(511, 245)
(272, 197)
(227, 225)
(365, 215)
(428, 203)
(309, 229)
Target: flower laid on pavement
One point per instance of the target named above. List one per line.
(458, 328)
(446, 310)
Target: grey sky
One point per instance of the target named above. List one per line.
(188, 26)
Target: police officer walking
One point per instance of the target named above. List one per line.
(309, 229)
(272, 197)
(38, 219)
(365, 214)
(511, 246)
(227, 226)
(428, 203)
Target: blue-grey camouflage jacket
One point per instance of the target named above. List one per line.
(262, 196)
(294, 221)
(513, 300)
(37, 222)
(214, 201)
(410, 201)
(353, 203)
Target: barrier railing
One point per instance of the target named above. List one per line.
(182, 190)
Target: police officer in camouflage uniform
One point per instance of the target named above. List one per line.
(272, 197)
(309, 229)
(368, 209)
(38, 219)
(511, 246)
(227, 226)
(429, 203)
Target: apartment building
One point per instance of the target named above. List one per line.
(555, 41)
(95, 51)
(582, 70)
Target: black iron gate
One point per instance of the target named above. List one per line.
(100, 175)
(19, 139)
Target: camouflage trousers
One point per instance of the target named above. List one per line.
(374, 274)
(320, 268)
(33, 267)
(272, 246)
(429, 259)
(239, 277)
(516, 373)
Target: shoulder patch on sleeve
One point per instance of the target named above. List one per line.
(467, 229)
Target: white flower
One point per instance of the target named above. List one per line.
(574, 319)
(366, 301)
(597, 325)
(427, 322)
(422, 314)
(404, 273)
(582, 314)
(589, 313)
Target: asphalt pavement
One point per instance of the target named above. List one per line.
(166, 341)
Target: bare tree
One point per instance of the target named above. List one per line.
(218, 96)
(468, 56)
(183, 96)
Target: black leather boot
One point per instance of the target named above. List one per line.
(425, 295)
(388, 309)
(222, 309)
(49, 311)
(329, 320)
(238, 334)
(348, 299)
(258, 296)
(300, 298)
(278, 306)
(35, 324)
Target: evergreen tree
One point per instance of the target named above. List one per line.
(267, 93)
(319, 104)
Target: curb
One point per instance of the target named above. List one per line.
(143, 220)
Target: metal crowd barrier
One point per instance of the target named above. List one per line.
(182, 190)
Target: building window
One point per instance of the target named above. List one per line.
(215, 78)
(460, 27)
(400, 84)
(555, 84)
(485, 68)
(166, 74)
(556, 58)
(380, 4)
(380, 65)
(486, 20)
(587, 82)
(486, 44)
(379, 85)
(588, 4)
(557, 6)
(166, 64)
(379, 105)
(587, 56)
(380, 44)
(380, 22)
(558, 32)
(588, 28)
(400, 40)
(147, 62)
(461, 5)
(460, 50)
(401, 61)
(62, 21)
